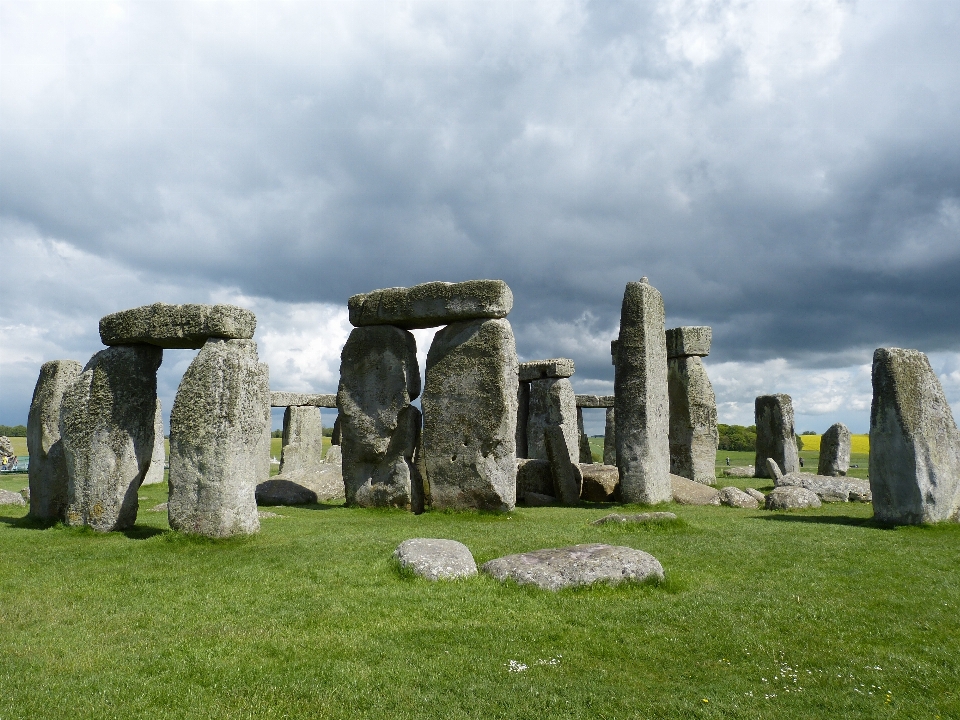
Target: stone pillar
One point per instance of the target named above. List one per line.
(220, 417)
(523, 415)
(585, 455)
(470, 416)
(834, 451)
(107, 425)
(48, 464)
(158, 459)
(693, 406)
(914, 442)
(302, 447)
(336, 434)
(610, 438)
(379, 376)
(642, 403)
(776, 437)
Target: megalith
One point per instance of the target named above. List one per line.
(177, 326)
(642, 402)
(585, 455)
(914, 443)
(107, 426)
(776, 437)
(48, 464)
(219, 420)
(523, 414)
(834, 451)
(567, 477)
(610, 437)
(552, 402)
(379, 377)
(154, 475)
(693, 406)
(470, 416)
(431, 304)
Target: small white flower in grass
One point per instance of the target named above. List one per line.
(515, 666)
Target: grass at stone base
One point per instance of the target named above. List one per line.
(817, 613)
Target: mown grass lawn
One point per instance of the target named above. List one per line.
(812, 614)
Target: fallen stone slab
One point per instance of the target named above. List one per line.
(735, 497)
(595, 401)
(578, 565)
(637, 518)
(284, 492)
(292, 399)
(688, 492)
(792, 498)
(601, 483)
(689, 341)
(436, 559)
(533, 499)
(542, 369)
(432, 304)
(302, 487)
(756, 494)
(8, 497)
(828, 489)
(533, 476)
(742, 471)
(177, 326)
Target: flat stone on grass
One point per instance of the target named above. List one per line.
(601, 483)
(8, 497)
(636, 518)
(688, 492)
(436, 559)
(735, 497)
(575, 566)
(792, 498)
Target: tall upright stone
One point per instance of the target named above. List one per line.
(48, 464)
(610, 438)
(642, 402)
(107, 426)
(552, 402)
(776, 437)
(470, 416)
(693, 406)
(523, 414)
(154, 475)
(220, 417)
(914, 442)
(379, 376)
(585, 455)
(834, 451)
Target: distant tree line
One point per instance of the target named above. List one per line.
(737, 437)
(13, 430)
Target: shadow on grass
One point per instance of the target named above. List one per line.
(825, 520)
(309, 506)
(137, 532)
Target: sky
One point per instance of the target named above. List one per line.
(785, 172)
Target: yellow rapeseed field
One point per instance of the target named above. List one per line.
(858, 443)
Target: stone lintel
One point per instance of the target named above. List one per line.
(541, 369)
(689, 341)
(291, 399)
(595, 401)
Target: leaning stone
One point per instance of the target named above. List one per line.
(107, 429)
(48, 464)
(8, 497)
(776, 437)
(693, 420)
(290, 399)
(601, 483)
(154, 475)
(610, 438)
(542, 369)
(432, 304)
(834, 451)
(379, 377)
(533, 499)
(774, 471)
(637, 518)
(567, 480)
(552, 402)
(533, 476)
(756, 495)
(688, 492)
(436, 559)
(642, 403)
(470, 416)
(559, 568)
(792, 498)
(177, 326)
(689, 342)
(220, 417)
(595, 401)
(735, 497)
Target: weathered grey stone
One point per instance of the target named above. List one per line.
(436, 559)
(552, 402)
(614, 344)
(162, 507)
(756, 495)
(107, 429)
(8, 497)
(154, 474)
(333, 456)
(558, 568)
(774, 471)
(432, 304)
(220, 416)
(828, 489)
(533, 476)
(776, 437)
(601, 483)
(688, 492)
(177, 326)
(291, 399)
(792, 498)
(523, 414)
(266, 515)
(534, 499)
(299, 487)
(610, 438)
(619, 518)
(25, 493)
(305, 476)
(470, 416)
(834, 451)
(336, 435)
(735, 497)
(48, 465)
(693, 420)
(689, 341)
(379, 376)
(543, 369)
(586, 455)
(567, 480)
(642, 403)
(302, 446)
(743, 471)
(595, 401)
(6, 446)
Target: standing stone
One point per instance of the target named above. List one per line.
(775, 435)
(693, 406)
(159, 458)
(642, 403)
(336, 435)
(220, 417)
(470, 416)
(914, 442)
(567, 477)
(107, 423)
(610, 438)
(585, 455)
(379, 376)
(523, 414)
(552, 403)
(48, 464)
(302, 446)
(834, 451)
